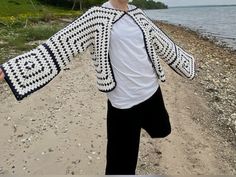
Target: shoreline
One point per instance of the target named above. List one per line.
(216, 68)
(208, 37)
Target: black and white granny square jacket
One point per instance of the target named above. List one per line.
(31, 71)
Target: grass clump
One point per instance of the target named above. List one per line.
(17, 40)
(38, 32)
(22, 22)
(18, 13)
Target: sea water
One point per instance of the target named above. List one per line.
(218, 22)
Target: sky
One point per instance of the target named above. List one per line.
(172, 3)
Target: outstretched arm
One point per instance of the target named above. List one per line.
(31, 71)
(177, 58)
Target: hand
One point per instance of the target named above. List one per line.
(1, 75)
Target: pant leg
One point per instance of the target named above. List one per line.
(157, 122)
(123, 135)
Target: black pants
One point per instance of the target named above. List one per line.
(123, 132)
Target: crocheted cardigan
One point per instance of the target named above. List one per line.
(32, 70)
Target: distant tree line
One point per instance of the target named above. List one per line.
(73, 4)
(85, 4)
(149, 4)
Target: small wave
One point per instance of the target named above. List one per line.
(226, 37)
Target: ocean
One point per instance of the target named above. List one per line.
(215, 22)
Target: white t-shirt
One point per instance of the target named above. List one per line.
(135, 77)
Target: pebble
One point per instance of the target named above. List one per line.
(50, 150)
(23, 140)
(233, 116)
(65, 131)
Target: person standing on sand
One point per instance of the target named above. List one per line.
(126, 48)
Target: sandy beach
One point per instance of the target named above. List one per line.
(61, 129)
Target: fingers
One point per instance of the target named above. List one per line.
(1, 75)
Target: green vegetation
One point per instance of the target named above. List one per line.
(84, 4)
(20, 12)
(16, 7)
(149, 4)
(73, 4)
(34, 7)
(25, 21)
(17, 40)
(19, 37)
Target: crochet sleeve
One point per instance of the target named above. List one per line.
(32, 70)
(177, 58)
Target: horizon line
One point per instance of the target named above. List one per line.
(210, 5)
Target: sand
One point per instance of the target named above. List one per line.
(61, 129)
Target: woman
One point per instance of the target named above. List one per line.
(126, 48)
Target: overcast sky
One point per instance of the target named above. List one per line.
(197, 2)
